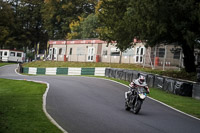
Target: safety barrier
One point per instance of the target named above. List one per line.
(175, 86)
(98, 71)
(32, 70)
(51, 71)
(172, 85)
(196, 91)
(74, 71)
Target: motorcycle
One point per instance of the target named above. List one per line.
(135, 99)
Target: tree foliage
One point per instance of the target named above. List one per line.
(58, 14)
(74, 29)
(168, 22)
(111, 14)
(6, 26)
(24, 24)
(84, 28)
(154, 22)
(89, 27)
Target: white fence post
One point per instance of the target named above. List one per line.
(165, 57)
(155, 57)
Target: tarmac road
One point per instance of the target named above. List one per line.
(92, 105)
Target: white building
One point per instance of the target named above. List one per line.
(93, 51)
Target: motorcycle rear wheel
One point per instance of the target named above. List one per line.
(137, 107)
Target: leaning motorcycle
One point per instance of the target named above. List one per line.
(135, 99)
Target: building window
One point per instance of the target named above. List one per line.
(161, 52)
(50, 51)
(142, 51)
(105, 51)
(5, 53)
(60, 51)
(198, 58)
(115, 52)
(12, 53)
(128, 52)
(177, 54)
(19, 54)
(70, 51)
(54, 50)
(137, 58)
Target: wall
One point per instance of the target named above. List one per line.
(80, 52)
(57, 56)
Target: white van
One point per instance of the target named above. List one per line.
(11, 55)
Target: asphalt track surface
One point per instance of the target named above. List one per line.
(92, 105)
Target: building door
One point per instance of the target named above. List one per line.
(90, 54)
(139, 54)
(54, 54)
(51, 54)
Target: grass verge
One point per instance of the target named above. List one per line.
(21, 108)
(3, 64)
(185, 104)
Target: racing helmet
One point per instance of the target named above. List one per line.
(141, 79)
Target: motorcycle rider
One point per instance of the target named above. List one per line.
(137, 82)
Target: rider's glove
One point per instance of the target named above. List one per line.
(148, 91)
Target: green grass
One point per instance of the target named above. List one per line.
(3, 64)
(21, 108)
(185, 104)
(21, 101)
(170, 73)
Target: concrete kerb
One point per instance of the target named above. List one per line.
(44, 106)
(44, 103)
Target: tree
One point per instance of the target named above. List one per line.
(6, 26)
(111, 15)
(89, 26)
(84, 28)
(21, 24)
(58, 14)
(167, 22)
(75, 30)
(30, 24)
(154, 22)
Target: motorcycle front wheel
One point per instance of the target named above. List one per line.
(137, 107)
(127, 107)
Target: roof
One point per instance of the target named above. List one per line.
(84, 41)
(61, 42)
